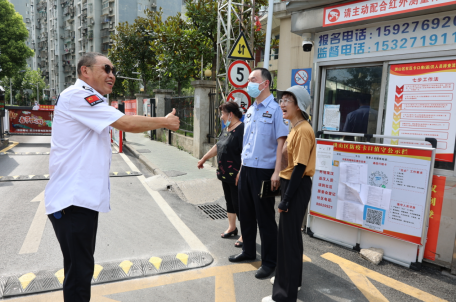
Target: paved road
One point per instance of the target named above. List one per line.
(145, 223)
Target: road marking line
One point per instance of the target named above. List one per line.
(224, 288)
(14, 144)
(366, 287)
(39, 197)
(35, 232)
(191, 239)
(397, 285)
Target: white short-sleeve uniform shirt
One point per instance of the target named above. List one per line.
(81, 153)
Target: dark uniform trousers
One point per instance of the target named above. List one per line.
(252, 209)
(288, 275)
(76, 232)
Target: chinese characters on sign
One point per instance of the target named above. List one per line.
(375, 187)
(30, 122)
(420, 104)
(435, 212)
(371, 9)
(410, 35)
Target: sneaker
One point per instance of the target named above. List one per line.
(267, 299)
(272, 282)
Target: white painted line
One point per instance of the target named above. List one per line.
(35, 233)
(191, 239)
(38, 198)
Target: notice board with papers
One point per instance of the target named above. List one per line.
(382, 189)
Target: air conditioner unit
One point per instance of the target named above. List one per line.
(110, 9)
(93, 21)
(111, 22)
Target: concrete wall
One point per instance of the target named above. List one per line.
(180, 141)
(291, 55)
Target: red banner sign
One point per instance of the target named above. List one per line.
(30, 121)
(371, 9)
(438, 190)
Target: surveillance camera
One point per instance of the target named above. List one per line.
(307, 46)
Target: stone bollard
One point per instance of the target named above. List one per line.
(201, 115)
(140, 104)
(160, 95)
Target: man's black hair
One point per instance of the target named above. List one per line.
(89, 58)
(265, 74)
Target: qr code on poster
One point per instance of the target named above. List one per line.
(374, 217)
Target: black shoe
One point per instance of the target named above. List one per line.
(240, 257)
(264, 272)
(228, 235)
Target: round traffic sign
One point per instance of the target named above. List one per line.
(301, 77)
(241, 97)
(238, 74)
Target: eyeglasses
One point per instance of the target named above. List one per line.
(284, 101)
(107, 69)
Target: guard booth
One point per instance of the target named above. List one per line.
(388, 68)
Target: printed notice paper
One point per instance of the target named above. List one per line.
(353, 173)
(375, 196)
(324, 157)
(350, 192)
(331, 118)
(350, 211)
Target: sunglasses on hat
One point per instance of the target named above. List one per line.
(107, 69)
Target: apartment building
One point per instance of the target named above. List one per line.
(61, 31)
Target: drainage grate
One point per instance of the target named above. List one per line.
(214, 211)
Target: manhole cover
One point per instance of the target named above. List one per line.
(143, 150)
(174, 173)
(214, 211)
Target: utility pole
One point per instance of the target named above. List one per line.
(267, 47)
(11, 94)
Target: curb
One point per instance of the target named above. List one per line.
(46, 176)
(154, 169)
(51, 280)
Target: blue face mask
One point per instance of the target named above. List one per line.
(253, 91)
(228, 123)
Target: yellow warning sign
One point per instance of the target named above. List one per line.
(241, 49)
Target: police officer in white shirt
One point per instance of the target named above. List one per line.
(79, 165)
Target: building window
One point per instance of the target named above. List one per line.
(139, 7)
(105, 4)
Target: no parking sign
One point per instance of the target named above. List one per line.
(301, 77)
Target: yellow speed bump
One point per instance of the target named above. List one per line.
(125, 266)
(60, 275)
(26, 279)
(183, 258)
(156, 262)
(97, 271)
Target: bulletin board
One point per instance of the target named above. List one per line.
(383, 189)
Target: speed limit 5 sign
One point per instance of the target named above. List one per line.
(238, 74)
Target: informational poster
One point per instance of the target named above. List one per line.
(379, 188)
(424, 34)
(30, 121)
(331, 118)
(302, 77)
(421, 103)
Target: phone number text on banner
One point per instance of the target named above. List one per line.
(407, 35)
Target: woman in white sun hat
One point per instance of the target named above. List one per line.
(298, 166)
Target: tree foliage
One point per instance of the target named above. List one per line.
(179, 49)
(13, 34)
(24, 86)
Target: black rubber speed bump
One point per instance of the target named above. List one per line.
(42, 281)
(46, 176)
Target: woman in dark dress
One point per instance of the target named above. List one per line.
(228, 150)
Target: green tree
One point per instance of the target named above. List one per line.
(179, 48)
(13, 34)
(131, 50)
(21, 83)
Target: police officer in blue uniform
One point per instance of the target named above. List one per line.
(264, 135)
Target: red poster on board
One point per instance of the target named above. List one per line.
(438, 190)
(30, 121)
